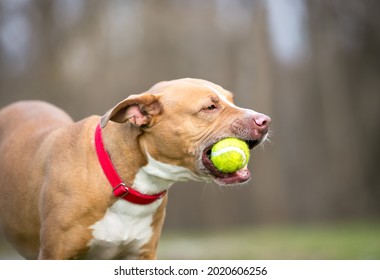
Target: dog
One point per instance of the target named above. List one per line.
(97, 188)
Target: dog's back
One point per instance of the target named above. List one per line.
(25, 116)
(23, 127)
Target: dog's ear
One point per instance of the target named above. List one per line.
(139, 109)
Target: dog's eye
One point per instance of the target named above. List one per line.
(210, 108)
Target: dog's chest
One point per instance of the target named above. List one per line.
(122, 232)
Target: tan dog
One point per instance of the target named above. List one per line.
(56, 201)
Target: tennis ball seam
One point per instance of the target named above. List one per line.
(230, 149)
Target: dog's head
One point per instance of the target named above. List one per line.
(181, 120)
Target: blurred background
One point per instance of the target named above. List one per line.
(313, 66)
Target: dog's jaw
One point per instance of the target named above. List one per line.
(158, 176)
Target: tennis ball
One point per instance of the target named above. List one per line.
(230, 155)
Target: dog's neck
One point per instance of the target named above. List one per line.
(121, 143)
(134, 164)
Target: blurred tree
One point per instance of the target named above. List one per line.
(347, 69)
(323, 94)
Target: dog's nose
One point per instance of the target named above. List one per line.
(259, 125)
(262, 121)
(253, 125)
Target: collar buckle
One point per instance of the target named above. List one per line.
(121, 190)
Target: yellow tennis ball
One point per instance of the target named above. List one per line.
(230, 155)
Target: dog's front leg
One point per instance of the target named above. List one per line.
(64, 232)
(63, 244)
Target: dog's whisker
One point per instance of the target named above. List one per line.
(204, 190)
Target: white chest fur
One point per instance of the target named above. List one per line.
(126, 227)
(123, 230)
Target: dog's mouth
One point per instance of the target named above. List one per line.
(237, 177)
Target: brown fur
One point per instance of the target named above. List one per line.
(52, 186)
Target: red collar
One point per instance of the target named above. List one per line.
(120, 189)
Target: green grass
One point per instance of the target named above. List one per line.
(360, 240)
(345, 241)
